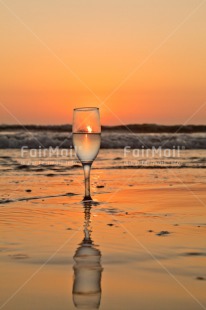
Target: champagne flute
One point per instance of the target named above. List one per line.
(86, 140)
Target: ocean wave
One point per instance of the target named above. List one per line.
(135, 128)
(110, 140)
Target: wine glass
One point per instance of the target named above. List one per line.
(86, 140)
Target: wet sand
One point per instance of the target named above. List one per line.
(140, 246)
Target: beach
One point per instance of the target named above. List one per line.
(140, 245)
(117, 87)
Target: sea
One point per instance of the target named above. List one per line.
(37, 148)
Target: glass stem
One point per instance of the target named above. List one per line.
(87, 168)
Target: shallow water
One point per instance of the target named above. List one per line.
(141, 245)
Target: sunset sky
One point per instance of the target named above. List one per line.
(146, 57)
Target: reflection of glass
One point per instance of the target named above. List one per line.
(87, 270)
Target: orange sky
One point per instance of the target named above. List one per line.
(57, 55)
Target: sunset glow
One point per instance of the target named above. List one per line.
(103, 154)
(139, 61)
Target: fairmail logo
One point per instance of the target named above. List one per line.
(153, 152)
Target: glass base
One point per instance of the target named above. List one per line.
(89, 203)
(87, 198)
